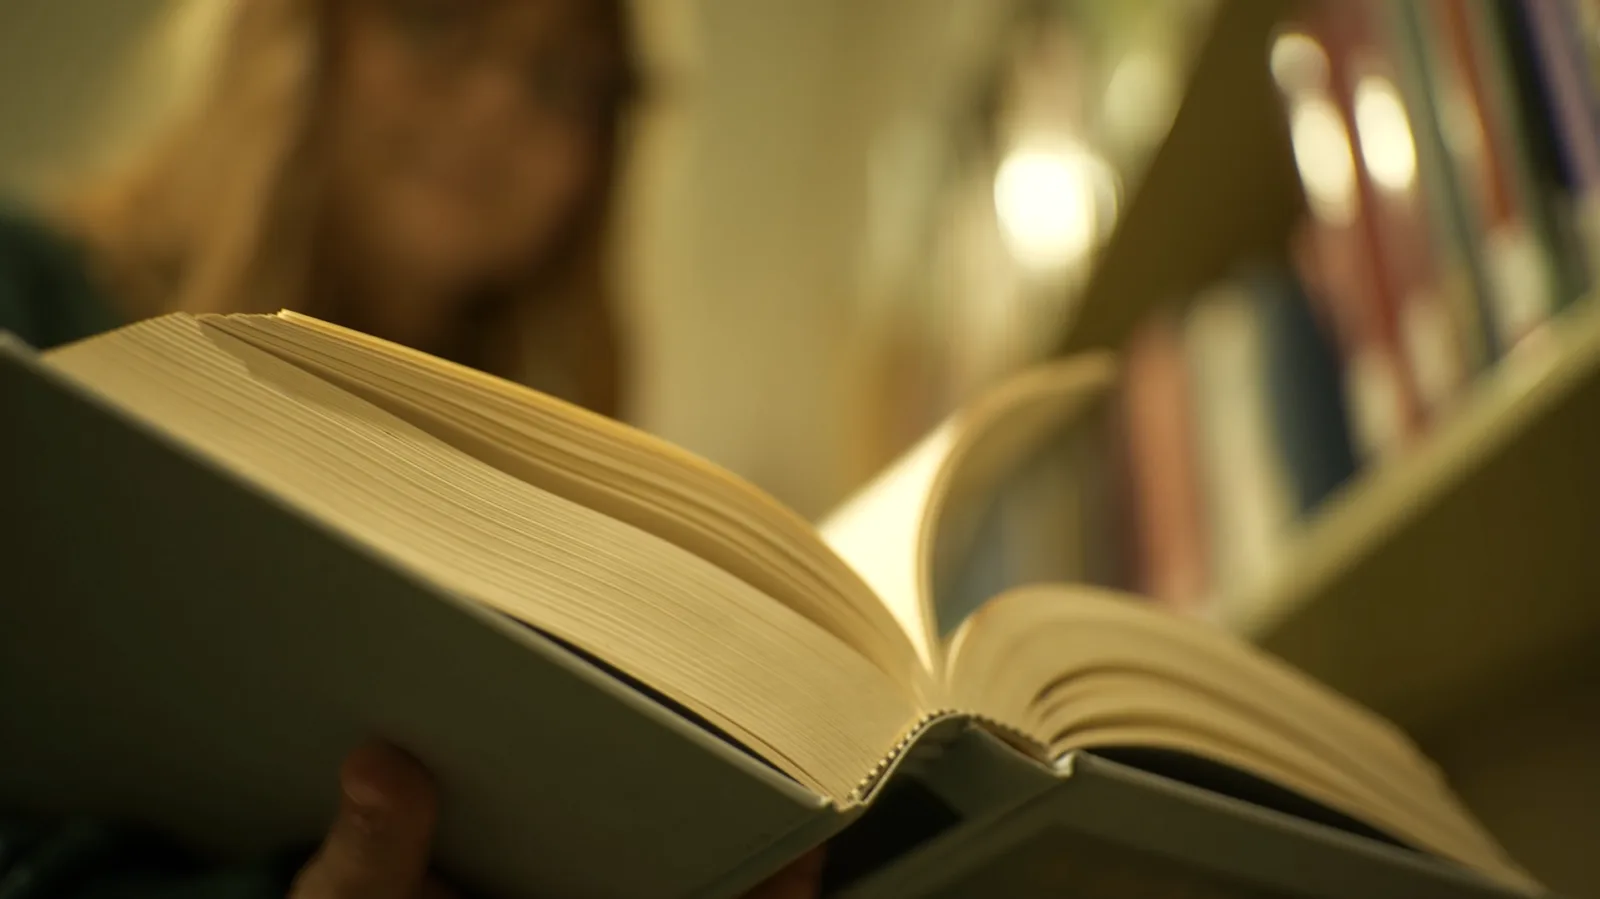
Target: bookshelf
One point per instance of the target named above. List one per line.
(1221, 186)
(1468, 563)
(1454, 588)
(1458, 568)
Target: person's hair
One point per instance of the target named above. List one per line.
(217, 215)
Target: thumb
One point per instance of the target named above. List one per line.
(378, 845)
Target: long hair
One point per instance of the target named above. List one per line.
(218, 214)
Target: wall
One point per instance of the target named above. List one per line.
(1528, 765)
(81, 79)
(752, 215)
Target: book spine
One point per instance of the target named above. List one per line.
(932, 731)
(1121, 507)
(1039, 510)
(1104, 479)
(1569, 98)
(1247, 498)
(1162, 466)
(1365, 87)
(1518, 269)
(1306, 404)
(1338, 251)
(1445, 180)
(1501, 52)
(1569, 106)
(1585, 18)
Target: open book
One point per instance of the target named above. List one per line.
(820, 654)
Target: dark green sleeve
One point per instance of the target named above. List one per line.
(46, 294)
(47, 298)
(82, 860)
(16, 314)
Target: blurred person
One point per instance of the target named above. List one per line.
(434, 172)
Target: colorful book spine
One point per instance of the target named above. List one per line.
(1311, 434)
(1390, 174)
(1518, 268)
(1341, 244)
(1585, 14)
(1503, 54)
(1270, 424)
(1102, 464)
(1248, 505)
(1169, 529)
(1445, 139)
(1569, 105)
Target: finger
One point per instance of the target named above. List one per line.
(801, 880)
(378, 845)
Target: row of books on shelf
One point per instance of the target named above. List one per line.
(1450, 156)
(1228, 426)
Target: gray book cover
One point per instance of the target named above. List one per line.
(178, 649)
(1098, 827)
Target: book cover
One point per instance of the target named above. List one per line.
(300, 645)
(1087, 832)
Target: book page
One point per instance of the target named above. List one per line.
(878, 531)
(758, 671)
(1033, 527)
(604, 466)
(1003, 446)
(902, 530)
(1080, 668)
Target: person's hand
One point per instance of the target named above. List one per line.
(380, 841)
(801, 880)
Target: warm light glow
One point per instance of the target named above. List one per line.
(1298, 62)
(1053, 203)
(1384, 133)
(1322, 153)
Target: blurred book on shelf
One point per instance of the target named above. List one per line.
(1055, 515)
(1475, 123)
(1273, 437)
(1164, 486)
(1445, 153)
(1227, 430)
(1236, 429)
